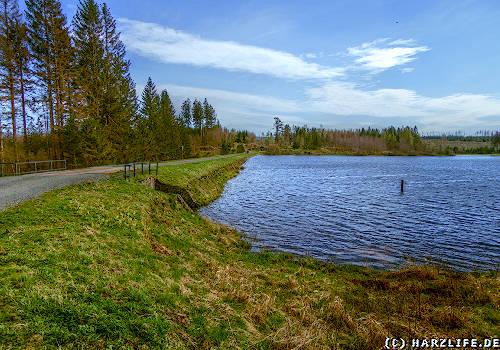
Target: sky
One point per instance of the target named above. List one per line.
(333, 64)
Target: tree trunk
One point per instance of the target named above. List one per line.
(23, 106)
(49, 81)
(13, 112)
(1, 141)
(52, 126)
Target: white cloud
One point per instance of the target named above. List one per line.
(174, 46)
(311, 55)
(244, 101)
(327, 102)
(344, 98)
(378, 55)
(239, 110)
(328, 99)
(403, 42)
(458, 111)
(407, 70)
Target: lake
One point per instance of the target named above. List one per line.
(349, 209)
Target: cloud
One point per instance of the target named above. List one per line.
(310, 55)
(344, 105)
(245, 101)
(407, 70)
(400, 42)
(239, 110)
(458, 110)
(173, 46)
(325, 100)
(378, 55)
(344, 98)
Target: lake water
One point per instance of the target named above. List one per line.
(351, 210)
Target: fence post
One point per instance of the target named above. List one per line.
(16, 170)
(51, 167)
(142, 168)
(156, 168)
(125, 171)
(134, 170)
(149, 168)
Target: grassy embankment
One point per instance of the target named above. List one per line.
(119, 264)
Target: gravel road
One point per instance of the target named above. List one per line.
(17, 189)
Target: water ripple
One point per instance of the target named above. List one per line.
(350, 209)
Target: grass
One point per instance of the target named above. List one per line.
(118, 265)
(204, 180)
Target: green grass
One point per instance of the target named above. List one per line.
(205, 179)
(117, 265)
(181, 175)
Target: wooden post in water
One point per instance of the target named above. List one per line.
(402, 186)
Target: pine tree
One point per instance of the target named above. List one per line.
(88, 33)
(119, 98)
(186, 113)
(1, 140)
(65, 89)
(167, 130)
(149, 100)
(197, 115)
(72, 142)
(213, 113)
(52, 53)
(23, 71)
(185, 143)
(9, 80)
(104, 78)
(278, 126)
(210, 119)
(150, 105)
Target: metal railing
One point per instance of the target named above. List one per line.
(130, 169)
(23, 168)
(5, 167)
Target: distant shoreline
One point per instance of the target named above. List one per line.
(385, 154)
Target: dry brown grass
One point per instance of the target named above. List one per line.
(119, 264)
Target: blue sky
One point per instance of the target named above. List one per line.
(340, 64)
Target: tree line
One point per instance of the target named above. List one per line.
(357, 141)
(392, 140)
(67, 93)
(170, 135)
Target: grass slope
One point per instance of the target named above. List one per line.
(116, 264)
